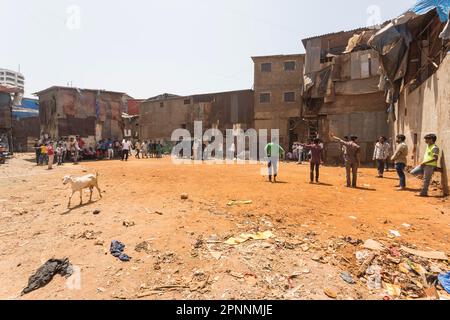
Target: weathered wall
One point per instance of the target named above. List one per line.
(223, 110)
(6, 118)
(159, 118)
(362, 115)
(67, 112)
(427, 110)
(277, 113)
(133, 106)
(25, 131)
(5, 111)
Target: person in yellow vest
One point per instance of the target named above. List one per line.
(429, 164)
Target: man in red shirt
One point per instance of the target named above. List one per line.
(316, 158)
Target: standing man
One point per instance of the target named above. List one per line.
(144, 150)
(125, 150)
(429, 164)
(316, 158)
(159, 150)
(352, 159)
(75, 149)
(300, 151)
(399, 158)
(110, 146)
(380, 155)
(274, 151)
(37, 150)
(59, 153)
(137, 147)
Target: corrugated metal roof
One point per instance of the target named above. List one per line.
(280, 56)
(73, 88)
(338, 32)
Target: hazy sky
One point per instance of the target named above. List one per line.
(148, 47)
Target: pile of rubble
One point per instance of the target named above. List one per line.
(397, 270)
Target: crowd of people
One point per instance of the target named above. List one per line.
(351, 151)
(74, 149)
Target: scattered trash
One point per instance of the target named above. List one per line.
(407, 226)
(395, 233)
(117, 249)
(184, 196)
(45, 274)
(128, 224)
(374, 279)
(330, 293)
(393, 290)
(432, 293)
(246, 236)
(436, 255)
(89, 235)
(347, 277)
(365, 265)
(373, 245)
(353, 217)
(362, 255)
(444, 280)
(394, 252)
(238, 202)
(354, 242)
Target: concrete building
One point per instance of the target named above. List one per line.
(12, 79)
(427, 110)
(7, 93)
(91, 114)
(278, 83)
(415, 67)
(341, 93)
(223, 111)
(161, 115)
(6, 119)
(25, 125)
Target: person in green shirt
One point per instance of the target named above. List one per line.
(429, 164)
(273, 152)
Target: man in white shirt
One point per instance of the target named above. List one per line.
(126, 145)
(380, 155)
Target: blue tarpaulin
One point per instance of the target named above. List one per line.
(29, 108)
(424, 6)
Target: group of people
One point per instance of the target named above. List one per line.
(147, 149)
(49, 152)
(352, 158)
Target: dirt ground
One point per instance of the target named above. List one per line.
(183, 254)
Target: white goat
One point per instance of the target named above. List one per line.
(79, 184)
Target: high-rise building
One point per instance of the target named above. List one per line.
(12, 79)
